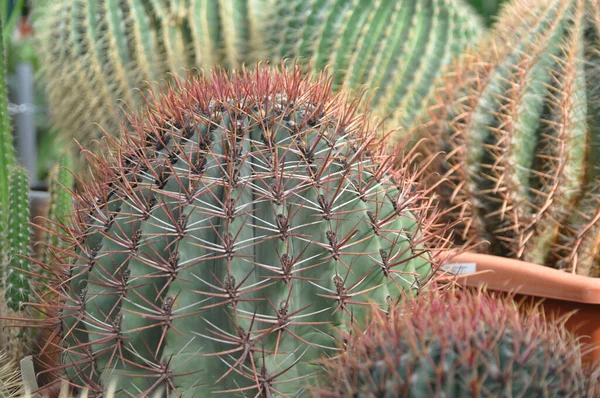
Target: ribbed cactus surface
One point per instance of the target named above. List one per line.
(395, 49)
(14, 208)
(518, 120)
(461, 344)
(97, 53)
(221, 244)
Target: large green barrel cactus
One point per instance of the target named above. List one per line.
(461, 344)
(96, 53)
(519, 123)
(222, 242)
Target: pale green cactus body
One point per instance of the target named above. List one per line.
(7, 155)
(16, 287)
(251, 221)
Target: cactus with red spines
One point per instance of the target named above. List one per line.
(222, 242)
(460, 344)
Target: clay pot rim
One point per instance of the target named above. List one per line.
(515, 276)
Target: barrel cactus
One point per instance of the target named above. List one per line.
(97, 53)
(394, 48)
(223, 241)
(460, 344)
(518, 122)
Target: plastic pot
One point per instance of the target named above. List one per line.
(559, 293)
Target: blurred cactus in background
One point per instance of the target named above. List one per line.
(98, 53)
(518, 120)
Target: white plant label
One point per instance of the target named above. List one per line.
(460, 268)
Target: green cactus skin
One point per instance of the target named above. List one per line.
(99, 52)
(460, 344)
(16, 287)
(518, 121)
(395, 49)
(14, 207)
(243, 221)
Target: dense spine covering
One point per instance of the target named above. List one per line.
(518, 121)
(99, 52)
(225, 239)
(460, 344)
(11, 385)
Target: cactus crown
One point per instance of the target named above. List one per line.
(460, 344)
(237, 223)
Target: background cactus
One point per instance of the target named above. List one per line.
(15, 232)
(460, 344)
(97, 53)
(14, 208)
(394, 48)
(518, 120)
(220, 244)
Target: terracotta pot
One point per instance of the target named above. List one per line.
(559, 292)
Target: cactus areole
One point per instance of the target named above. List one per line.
(224, 242)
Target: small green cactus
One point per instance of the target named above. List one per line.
(518, 121)
(459, 344)
(221, 243)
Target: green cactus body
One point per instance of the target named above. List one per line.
(101, 52)
(16, 287)
(14, 207)
(526, 154)
(395, 49)
(7, 155)
(245, 221)
(460, 344)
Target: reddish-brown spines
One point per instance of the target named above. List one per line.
(220, 241)
(460, 344)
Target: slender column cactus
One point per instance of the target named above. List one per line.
(14, 208)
